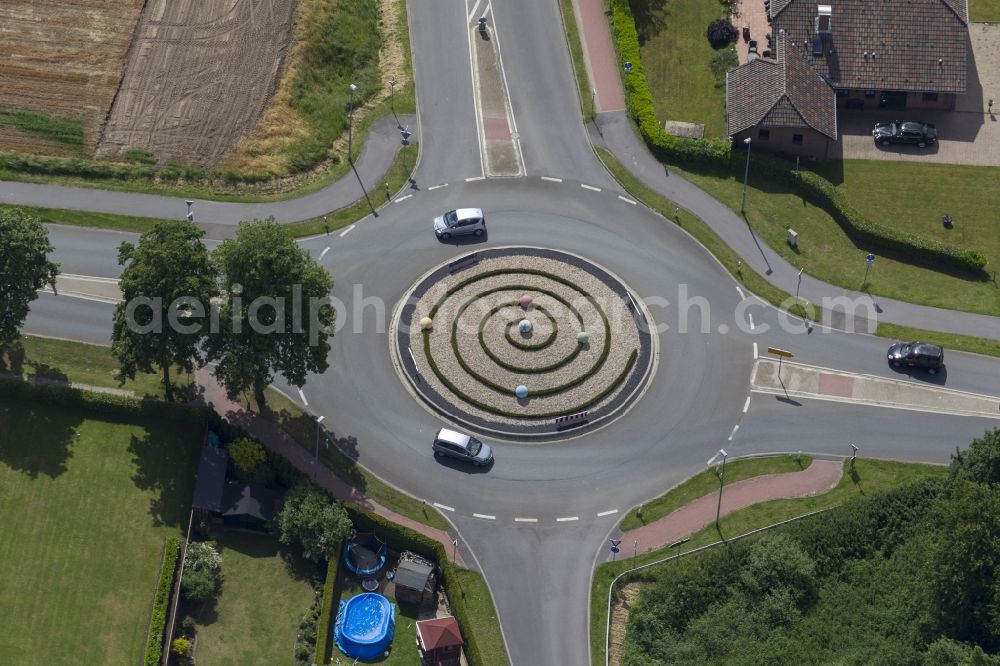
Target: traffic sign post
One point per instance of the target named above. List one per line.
(614, 547)
(781, 354)
(869, 260)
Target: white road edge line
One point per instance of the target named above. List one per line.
(435, 187)
(475, 178)
(347, 230)
(473, 12)
(323, 253)
(733, 433)
(607, 513)
(303, 396)
(475, 95)
(403, 198)
(742, 295)
(551, 179)
(627, 200)
(750, 317)
(746, 405)
(507, 103)
(755, 351)
(445, 507)
(567, 519)
(590, 187)
(526, 520)
(484, 516)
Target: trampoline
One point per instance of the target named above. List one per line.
(364, 554)
(364, 626)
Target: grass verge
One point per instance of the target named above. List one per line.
(984, 11)
(75, 362)
(79, 218)
(867, 477)
(988, 346)
(482, 616)
(302, 427)
(80, 560)
(707, 482)
(572, 31)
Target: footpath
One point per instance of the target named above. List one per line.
(818, 478)
(277, 440)
(613, 131)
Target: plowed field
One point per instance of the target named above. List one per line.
(199, 76)
(63, 58)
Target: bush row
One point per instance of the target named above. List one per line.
(715, 154)
(158, 619)
(327, 612)
(400, 538)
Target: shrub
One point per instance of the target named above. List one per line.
(720, 33)
(202, 572)
(181, 647)
(250, 461)
(722, 62)
(313, 520)
(188, 626)
(158, 618)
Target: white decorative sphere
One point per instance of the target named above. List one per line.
(425, 322)
(521, 391)
(583, 337)
(524, 326)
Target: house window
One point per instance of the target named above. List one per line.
(869, 93)
(930, 97)
(797, 139)
(764, 134)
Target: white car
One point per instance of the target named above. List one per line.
(459, 222)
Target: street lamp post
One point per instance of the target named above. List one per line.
(319, 421)
(190, 215)
(799, 284)
(722, 481)
(746, 174)
(350, 125)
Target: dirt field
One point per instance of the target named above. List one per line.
(63, 58)
(199, 76)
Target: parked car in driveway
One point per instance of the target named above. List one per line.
(905, 131)
(462, 447)
(459, 222)
(917, 355)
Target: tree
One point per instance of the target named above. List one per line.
(271, 283)
(202, 572)
(24, 269)
(311, 519)
(980, 462)
(167, 283)
(250, 460)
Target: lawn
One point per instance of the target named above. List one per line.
(89, 507)
(984, 10)
(826, 252)
(80, 363)
(677, 60)
(265, 593)
(868, 476)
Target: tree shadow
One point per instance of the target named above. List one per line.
(852, 473)
(12, 358)
(650, 18)
(37, 441)
(165, 465)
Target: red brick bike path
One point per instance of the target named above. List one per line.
(600, 55)
(277, 440)
(819, 477)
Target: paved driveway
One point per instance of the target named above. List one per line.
(968, 135)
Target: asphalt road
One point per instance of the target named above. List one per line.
(539, 572)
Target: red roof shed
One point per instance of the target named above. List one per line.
(440, 641)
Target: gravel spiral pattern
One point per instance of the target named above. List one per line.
(470, 361)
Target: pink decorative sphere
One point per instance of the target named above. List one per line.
(525, 301)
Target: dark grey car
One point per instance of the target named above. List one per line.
(905, 131)
(916, 355)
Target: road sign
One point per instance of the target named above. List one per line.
(615, 542)
(615, 549)
(779, 352)
(870, 259)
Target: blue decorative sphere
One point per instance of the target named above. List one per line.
(524, 326)
(521, 391)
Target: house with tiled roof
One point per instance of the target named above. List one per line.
(843, 55)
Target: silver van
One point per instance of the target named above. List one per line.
(461, 446)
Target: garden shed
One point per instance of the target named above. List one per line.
(415, 579)
(440, 641)
(249, 507)
(210, 481)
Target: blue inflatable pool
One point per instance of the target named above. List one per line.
(365, 625)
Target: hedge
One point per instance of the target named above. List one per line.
(327, 612)
(401, 538)
(158, 619)
(716, 154)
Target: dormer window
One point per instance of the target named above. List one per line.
(824, 14)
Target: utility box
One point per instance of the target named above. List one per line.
(793, 238)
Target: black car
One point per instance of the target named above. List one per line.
(905, 131)
(917, 355)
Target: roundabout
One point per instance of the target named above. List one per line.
(523, 342)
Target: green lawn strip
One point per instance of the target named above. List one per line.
(984, 11)
(482, 615)
(677, 59)
(828, 254)
(265, 593)
(80, 557)
(59, 130)
(871, 476)
(572, 31)
(302, 428)
(78, 218)
(968, 343)
(707, 482)
(379, 194)
(79, 363)
(730, 260)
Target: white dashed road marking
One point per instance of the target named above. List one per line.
(742, 295)
(551, 179)
(323, 253)
(475, 178)
(526, 520)
(590, 187)
(483, 516)
(403, 198)
(627, 200)
(607, 513)
(733, 433)
(347, 231)
(567, 519)
(303, 396)
(746, 405)
(434, 187)
(755, 351)
(442, 506)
